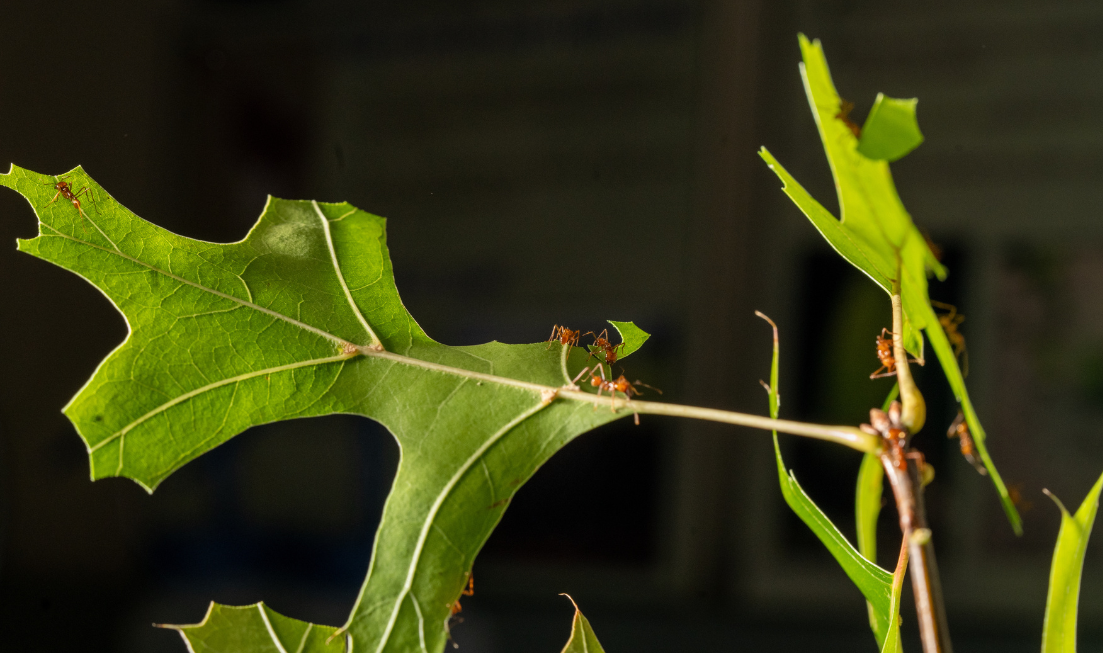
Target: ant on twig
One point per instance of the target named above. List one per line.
(885, 355)
(620, 384)
(959, 429)
(895, 436)
(602, 343)
(564, 336)
(950, 322)
(845, 107)
(65, 189)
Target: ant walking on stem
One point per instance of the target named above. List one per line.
(65, 189)
(886, 356)
(620, 384)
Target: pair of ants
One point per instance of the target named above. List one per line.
(569, 338)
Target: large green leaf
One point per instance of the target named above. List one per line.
(1059, 629)
(875, 233)
(257, 629)
(583, 639)
(302, 318)
(872, 581)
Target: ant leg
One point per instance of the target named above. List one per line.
(574, 381)
(551, 339)
(88, 191)
(56, 195)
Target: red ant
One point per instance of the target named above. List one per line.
(845, 107)
(65, 189)
(602, 343)
(950, 322)
(620, 384)
(959, 429)
(565, 336)
(885, 355)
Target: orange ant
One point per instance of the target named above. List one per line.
(602, 343)
(959, 429)
(845, 107)
(467, 591)
(620, 384)
(950, 322)
(65, 189)
(565, 336)
(885, 355)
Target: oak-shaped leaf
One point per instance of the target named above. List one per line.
(302, 318)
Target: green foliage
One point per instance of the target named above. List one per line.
(1059, 629)
(891, 130)
(302, 318)
(257, 629)
(583, 639)
(631, 335)
(872, 581)
(875, 233)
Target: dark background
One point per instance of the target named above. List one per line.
(567, 162)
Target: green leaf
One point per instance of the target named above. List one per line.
(891, 130)
(583, 639)
(631, 335)
(257, 629)
(876, 235)
(872, 581)
(867, 509)
(1059, 629)
(282, 325)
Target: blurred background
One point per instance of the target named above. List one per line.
(568, 162)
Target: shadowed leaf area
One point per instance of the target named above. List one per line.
(302, 318)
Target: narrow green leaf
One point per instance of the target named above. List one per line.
(874, 231)
(872, 581)
(891, 129)
(867, 508)
(280, 325)
(257, 629)
(583, 639)
(1059, 629)
(631, 335)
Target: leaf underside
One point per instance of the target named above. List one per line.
(1059, 629)
(875, 233)
(583, 639)
(277, 326)
(257, 629)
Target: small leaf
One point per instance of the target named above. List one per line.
(876, 235)
(872, 581)
(583, 639)
(257, 629)
(891, 130)
(1059, 629)
(631, 335)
